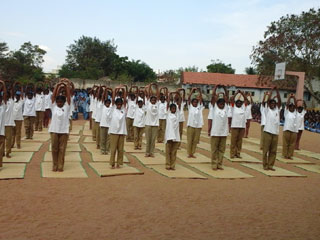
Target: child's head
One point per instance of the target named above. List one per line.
(30, 95)
(239, 103)
(291, 107)
(107, 102)
(173, 108)
(272, 103)
(132, 96)
(39, 90)
(18, 95)
(60, 101)
(153, 99)
(300, 109)
(46, 92)
(119, 103)
(162, 98)
(140, 103)
(194, 102)
(221, 103)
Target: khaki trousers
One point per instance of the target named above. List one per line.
(236, 141)
(270, 144)
(193, 138)
(58, 147)
(130, 130)
(171, 154)
(180, 132)
(218, 147)
(162, 129)
(289, 140)
(261, 137)
(93, 130)
(104, 140)
(2, 143)
(97, 127)
(16, 133)
(116, 145)
(8, 133)
(298, 139)
(151, 135)
(138, 132)
(28, 125)
(39, 120)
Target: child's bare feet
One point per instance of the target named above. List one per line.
(8, 155)
(151, 155)
(147, 155)
(112, 167)
(271, 168)
(60, 170)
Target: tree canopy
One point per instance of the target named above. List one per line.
(251, 71)
(217, 66)
(294, 39)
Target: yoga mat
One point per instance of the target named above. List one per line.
(73, 139)
(28, 147)
(38, 138)
(71, 170)
(252, 148)
(88, 140)
(75, 131)
(280, 172)
(69, 157)
(293, 160)
(310, 168)
(252, 140)
(19, 157)
(227, 173)
(86, 126)
(309, 154)
(71, 147)
(106, 158)
(92, 148)
(246, 158)
(157, 159)
(200, 158)
(13, 171)
(87, 132)
(180, 172)
(104, 170)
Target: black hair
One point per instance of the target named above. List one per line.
(272, 101)
(107, 100)
(172, 105)
(61, 98)
(194, 99)
(119, 101)
(221, 100)
(153, 97)
(140, 101)
(239, 101)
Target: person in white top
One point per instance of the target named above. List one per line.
(182, 103)
(162, 116)
(47, 107)
(3, 103)
(263, 118)
(218, 127)
(139, 124)
(18, 119)
(9, 122)
(131, 107)
(99, 107)
(118, 129)
(195, 122)
(271, 130)
(300, 116)
(104, 126)
(29, 114)
(238, 124)
(172, 137)
(248, 102)
(93, 116)
(59, 125)
(40, 108)
(152, 122)
(290, 128)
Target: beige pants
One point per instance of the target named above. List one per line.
(93, 129)
(16, 134)
(58, 147)
(130, 130)
(162, 129)
(116, 145)
(104, 140)
(171, 154)
(180, 132)
(261, 137)
(138, 132)
(193, 138)
(28, 125)
(236, 141)
(97, 127)
(8, 133)
(270, 144)
(2, 143)
(289, 140)
(218, 147)
(151, 135)
(39, 120)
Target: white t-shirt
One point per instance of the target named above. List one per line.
(106, 116)
(229, 111)
(9, 118)
(140, 117)
(248, 111)
(131, 106)
(238, 117)
(300, 121)
(60, 119)
(220, 127)
(2, 118)
(94, 105)
(99, 106)
(182, 118)
(162, 110)
(195, 118)
(17, 110)
(40, 103)
(29, 109)
(118, 121)
(152, 117)
(272, 120)
(210, 114)
(172, 127)
(47, 101)
(291, 121)
(263, 115)
(91, 103)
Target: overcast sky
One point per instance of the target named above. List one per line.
(164, 34)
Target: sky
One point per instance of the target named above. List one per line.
(164, 34)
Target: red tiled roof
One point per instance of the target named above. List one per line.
(237, 80)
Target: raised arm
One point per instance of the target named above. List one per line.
(214, 95)
(278, 97)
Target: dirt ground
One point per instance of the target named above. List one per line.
(151, 206)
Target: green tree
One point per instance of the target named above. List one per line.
(294, 39)
(217, 66)
(251, 71)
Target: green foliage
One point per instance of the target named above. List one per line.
(251, 71)
(217, 66)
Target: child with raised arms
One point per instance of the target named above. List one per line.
(105, 122)
(139, 123)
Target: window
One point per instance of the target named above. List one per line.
(208, 90)
(285, 95)
(252, 94)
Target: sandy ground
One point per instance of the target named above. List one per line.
(151, 206)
